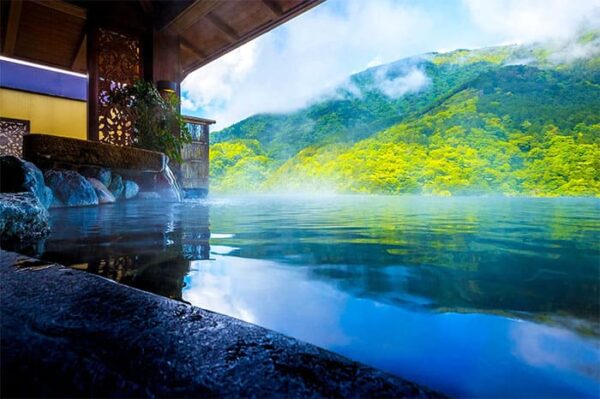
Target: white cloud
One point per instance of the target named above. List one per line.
(218, 80)
(311, 55)
(413, 81)
(374, 62)
(571, 50)
(307, 57)
(523, 21)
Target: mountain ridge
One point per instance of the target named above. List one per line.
(545, 101)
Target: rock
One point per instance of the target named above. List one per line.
(148, 195)
(48, 197)
(104, 195)
(116, 186)
(145, 180)
(71, 188)
(56, 203)
(76, 334)
(22, 218)
(104, 175)
(17, 175)
(131, 189)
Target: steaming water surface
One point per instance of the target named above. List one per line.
(471, 296)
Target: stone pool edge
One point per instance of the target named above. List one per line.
(66, 332)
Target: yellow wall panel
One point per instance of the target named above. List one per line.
(50, 115)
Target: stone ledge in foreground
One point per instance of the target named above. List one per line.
(69, 333)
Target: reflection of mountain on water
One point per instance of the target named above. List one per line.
(448, 278)
(145, 245)
(455, 275)
(524, 258)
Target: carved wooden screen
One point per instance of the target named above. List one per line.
(119, 63)
(11, 136)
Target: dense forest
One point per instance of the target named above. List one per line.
(513, 120)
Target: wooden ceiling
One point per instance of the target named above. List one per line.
(53, 32)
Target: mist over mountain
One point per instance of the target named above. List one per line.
(516, 119)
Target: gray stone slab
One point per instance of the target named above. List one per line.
(47, 151)
(70, 333)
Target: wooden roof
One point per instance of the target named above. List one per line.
(53, 32)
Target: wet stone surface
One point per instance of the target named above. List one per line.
(71, 188)
(69, 333)
(17, 175)
(23, 218)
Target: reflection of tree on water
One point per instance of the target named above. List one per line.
(145, 245)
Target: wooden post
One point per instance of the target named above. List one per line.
(166, 64)
(92, 67)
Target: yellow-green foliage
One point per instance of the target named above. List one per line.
(562, 165)
(238, 166)
(492, 56)
(453, 151)
(589, 37)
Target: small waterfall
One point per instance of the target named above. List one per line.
(170, 177)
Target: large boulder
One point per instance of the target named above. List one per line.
(71, 188)
(116, 186)
(17, 175)
(131, 189)
(104, 175)
(23, 218)
(104, 195)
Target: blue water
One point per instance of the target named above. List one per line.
(488, 297)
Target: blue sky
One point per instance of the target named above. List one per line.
(292, 65)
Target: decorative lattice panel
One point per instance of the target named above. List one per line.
(11, 136)
(119, 64)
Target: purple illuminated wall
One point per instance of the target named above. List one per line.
(43, 81)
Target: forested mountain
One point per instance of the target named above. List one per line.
(510, 120)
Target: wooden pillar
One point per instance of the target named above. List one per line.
(166, 64)
(92, 67)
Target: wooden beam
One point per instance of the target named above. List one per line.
(192, 14)
(222, 26)
(64, 7)
(195, 50)
(273, 7)
(12, 27)
(79, 60)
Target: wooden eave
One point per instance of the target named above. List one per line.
(53, 32)
(199, 121)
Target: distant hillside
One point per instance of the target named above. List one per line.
(512, 120)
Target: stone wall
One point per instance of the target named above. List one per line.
(50, 152)
(124, 171)
(64, 172)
